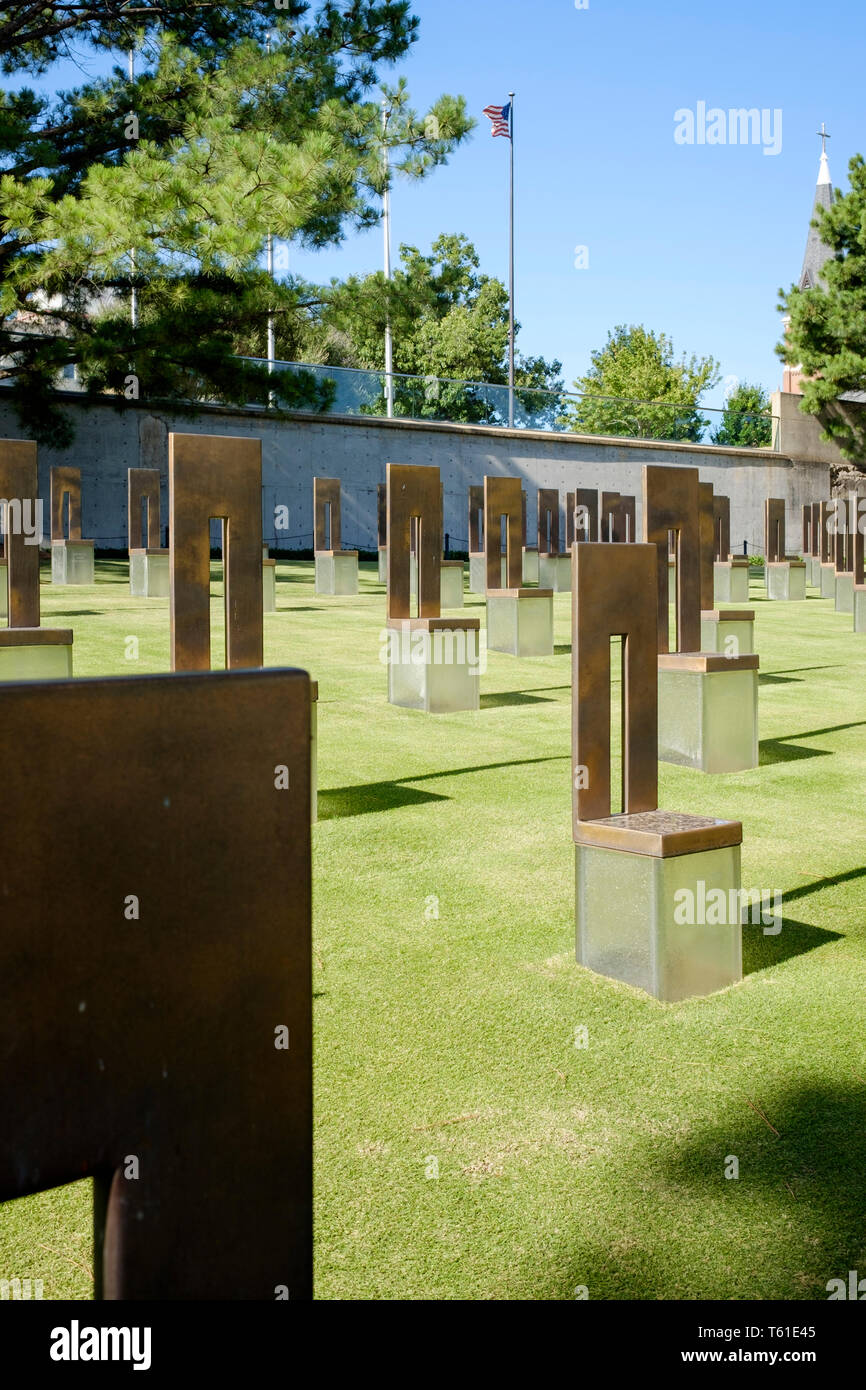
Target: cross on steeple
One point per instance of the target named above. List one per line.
(824, 137)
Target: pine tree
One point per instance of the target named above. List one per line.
(242, 120)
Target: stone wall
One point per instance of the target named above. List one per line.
(356, 449)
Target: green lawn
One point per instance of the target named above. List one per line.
(449, 1041)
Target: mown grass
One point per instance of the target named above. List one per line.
(447, 995)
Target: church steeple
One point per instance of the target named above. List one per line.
(817, 254)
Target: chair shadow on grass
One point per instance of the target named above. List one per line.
(761, 951)
(336, 803)
(785, 750)
(513, 697)
(784, 677)
(800, 1146)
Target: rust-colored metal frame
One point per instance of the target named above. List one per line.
(807, 530)
(707, 530)
(774, 531)
(157, 1038)
(414, 515)
(585, 500)
(721, 527)
(382, 514)
(476, 518)
(614, 596)
(19, 480)
(65, 481)
(827, 551)
(143, 486)
(816, 530)
(671, 506)
(502, 499)
(548, 521)
(215, 477)
(327, 493)
(617, 517)
(843, 541)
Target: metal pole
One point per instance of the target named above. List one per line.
(511, 271)
(133, 298)
(386, 220)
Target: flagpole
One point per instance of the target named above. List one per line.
(511, 272)
(386, 225)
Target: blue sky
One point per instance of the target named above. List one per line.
(692, 240)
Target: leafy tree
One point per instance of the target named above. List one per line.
(449, 324)
(746, 420)
(826, 333)
(636, 387)
(169, 184)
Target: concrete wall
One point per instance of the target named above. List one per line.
(109, 441)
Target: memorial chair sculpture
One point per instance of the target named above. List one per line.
(785, 577)
(519, 620)
(148, 563)
(71, 557)
(825, 572)
(708, 701)
(28, 651)
(554, 567)
(156, 1026)
(382, 530)
(859, 577)
(477, 556)
(433, 661)
(727, 630)
(845, 529)
(581, 516)
(219, 477)
(336, 569)
(730, 572)
(638, 872)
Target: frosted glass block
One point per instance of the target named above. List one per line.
(383, 564)
(554, 572)
(730, 582)
(42, 662)
(521, 625)
(844, 593)
(314, 761)
(530, 566)
(478, 574)
(731, 636)
(651, 922)
(439, 676)
(269, 586)
(337, 573)
(72, 562)
(812, 565)
(860, 608)
(672, 581)
(828, 581)
(708, 720)
(786, 581)
(451, 586)
(4, 589)
(149, 575)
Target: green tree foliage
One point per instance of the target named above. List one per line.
(170, 183)
(635, 386)
(746, 421)
(450, 325)
(826, 335)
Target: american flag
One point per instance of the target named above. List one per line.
(501, 119)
